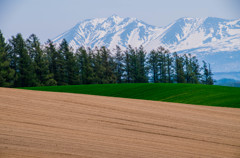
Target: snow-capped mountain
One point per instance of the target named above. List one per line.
(109, 32)
(212, 39)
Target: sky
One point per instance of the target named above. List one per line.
(49, 18)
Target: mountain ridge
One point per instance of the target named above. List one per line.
(203, 37)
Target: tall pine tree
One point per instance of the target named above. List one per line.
(142, 76)
(127, 67)
(85, 66)
(40, 62)
(179, 69)
(162, 64)
(98, 66)
(6, 72)
(196, 71)
(61, 75)
(169, 67)
(107, 66)
(119, 67)
(153, 65)
(207, 74)
(133, 64)
(21, 63)
(70, 61)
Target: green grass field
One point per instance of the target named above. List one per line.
(178, 93)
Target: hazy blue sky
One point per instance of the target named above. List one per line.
(49, 18)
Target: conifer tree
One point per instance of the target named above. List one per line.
(98, 66)
(141, 66)
(112, 68)
(61, 75)
(127, 68)
(210, 78)
(169, 68)
(153, 62)
(39, 59)
(179, 69)
(162, 65)
(133, 64)
(119, 67)
(188, 68)
(207, 74)
(70, 68)
(6, 72)
(51, 55)
(21, 63)
(192, 69)
(196, 71)
(85, 65)
(107, 66)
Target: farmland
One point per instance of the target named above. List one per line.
(66, 125)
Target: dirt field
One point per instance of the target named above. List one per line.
(61, 125)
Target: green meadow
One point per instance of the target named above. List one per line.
(198, 94)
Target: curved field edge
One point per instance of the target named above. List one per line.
(210, 95)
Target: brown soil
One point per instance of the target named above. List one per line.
(63, 125)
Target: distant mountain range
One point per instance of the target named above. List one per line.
(212, 39)
(228, 82)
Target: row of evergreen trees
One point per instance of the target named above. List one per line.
(26, 63)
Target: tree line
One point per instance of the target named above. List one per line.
(25, 63)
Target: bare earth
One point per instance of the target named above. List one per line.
(62, 125)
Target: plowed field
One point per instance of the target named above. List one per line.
(64, 125)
